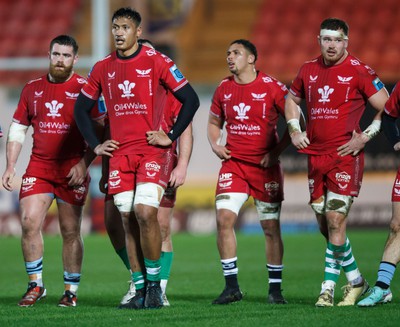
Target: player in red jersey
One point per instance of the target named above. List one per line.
(133, 81)
(112, 218)
(381, 292)
(57, 168)
(336, 87)
(249, 102)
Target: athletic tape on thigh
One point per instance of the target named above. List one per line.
(338, 202)
(124, 201)
(230, 201)
(268, 210)
(149, 194)
(319, 207)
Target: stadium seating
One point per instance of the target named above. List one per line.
(285, 33)
(27, 28)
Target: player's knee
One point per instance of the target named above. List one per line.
(268, 210)
(318, 205)
(395, 226)
(124, 202)
(338, 203)
(148, 194)
(230, 201)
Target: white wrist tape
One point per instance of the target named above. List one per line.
(293, 125)
(373, 129)
(17, 133)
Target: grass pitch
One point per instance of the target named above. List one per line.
(196, 279)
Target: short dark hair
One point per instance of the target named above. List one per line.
(248, 46)
(141, 41)
(335, 24)
(127, 12)
(65, 40)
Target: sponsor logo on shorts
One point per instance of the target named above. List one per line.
(311, 185)
(396, 188)
(272, 188)
(341, 178)
(152, 168)
(225, 177)
(27, 184)
(80, 192)
(114, 179)
(225, 185)
(225, 180)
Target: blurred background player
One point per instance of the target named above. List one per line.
(249, 102)
(112, 217)
(57, 168)
(336, 87)
(132, 80)
(381, 292)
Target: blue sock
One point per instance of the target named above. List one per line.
(385, 274)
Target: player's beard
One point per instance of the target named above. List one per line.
(60, 75)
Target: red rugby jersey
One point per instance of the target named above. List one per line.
(251, 112)
(336, 98)
(132, 90)
(392, 106)
(49, 108)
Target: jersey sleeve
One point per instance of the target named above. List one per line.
(216, 106)
(171, 76)
(281, 92)
(92, 89)
(21, 115)
(297, 87)
(369, 82)
(392, 106)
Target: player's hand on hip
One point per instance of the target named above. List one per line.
(77, 174)
(106, 148)
(300, 140)
(8, 178)
(396, 147)
(222, 152)
(158, 138)
(354, 146)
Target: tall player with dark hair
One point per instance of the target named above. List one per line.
(133, 81)
(250, 103)
(336, 87)
(57, 168)
(179, 164)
